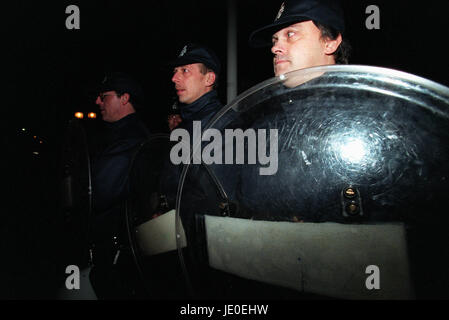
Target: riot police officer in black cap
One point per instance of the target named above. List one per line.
(195, 75)
(119, 96)
(304, 34)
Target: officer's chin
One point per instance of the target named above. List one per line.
(293, 79)
(280, 70)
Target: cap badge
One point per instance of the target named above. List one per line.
(183, 51)
(281, 11)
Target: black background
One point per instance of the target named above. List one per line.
(48, 70)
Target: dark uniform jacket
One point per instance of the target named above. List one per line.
(201, 110)
(110, 171)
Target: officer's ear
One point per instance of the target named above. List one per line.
(330, 46)
(210, 78)
(124, 98)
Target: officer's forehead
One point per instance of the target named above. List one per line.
(192, 65)
(297, 26)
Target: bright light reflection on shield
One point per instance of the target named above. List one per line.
(354, 205)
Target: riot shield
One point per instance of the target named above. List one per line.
(150, 219)
(76, 191)
(334, 183)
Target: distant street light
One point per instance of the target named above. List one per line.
(79, 115)
(92, 115)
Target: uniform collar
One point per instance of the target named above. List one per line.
(122, 122)
(188, 111)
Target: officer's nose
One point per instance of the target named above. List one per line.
(278, 47)
(98, 101)
(175, 77)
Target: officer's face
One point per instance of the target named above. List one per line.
(110, 106)
(300, 46)
(190, 83)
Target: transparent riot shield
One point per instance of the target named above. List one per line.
(75, 191)
(150, 215)
(328, 182)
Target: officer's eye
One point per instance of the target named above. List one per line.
(185, 70)
(290, 34)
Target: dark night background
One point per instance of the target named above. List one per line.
(48, 71)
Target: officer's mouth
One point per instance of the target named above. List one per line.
(278, 62)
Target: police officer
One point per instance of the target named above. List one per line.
(119, 97)
(304, 34)
(195, 76)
